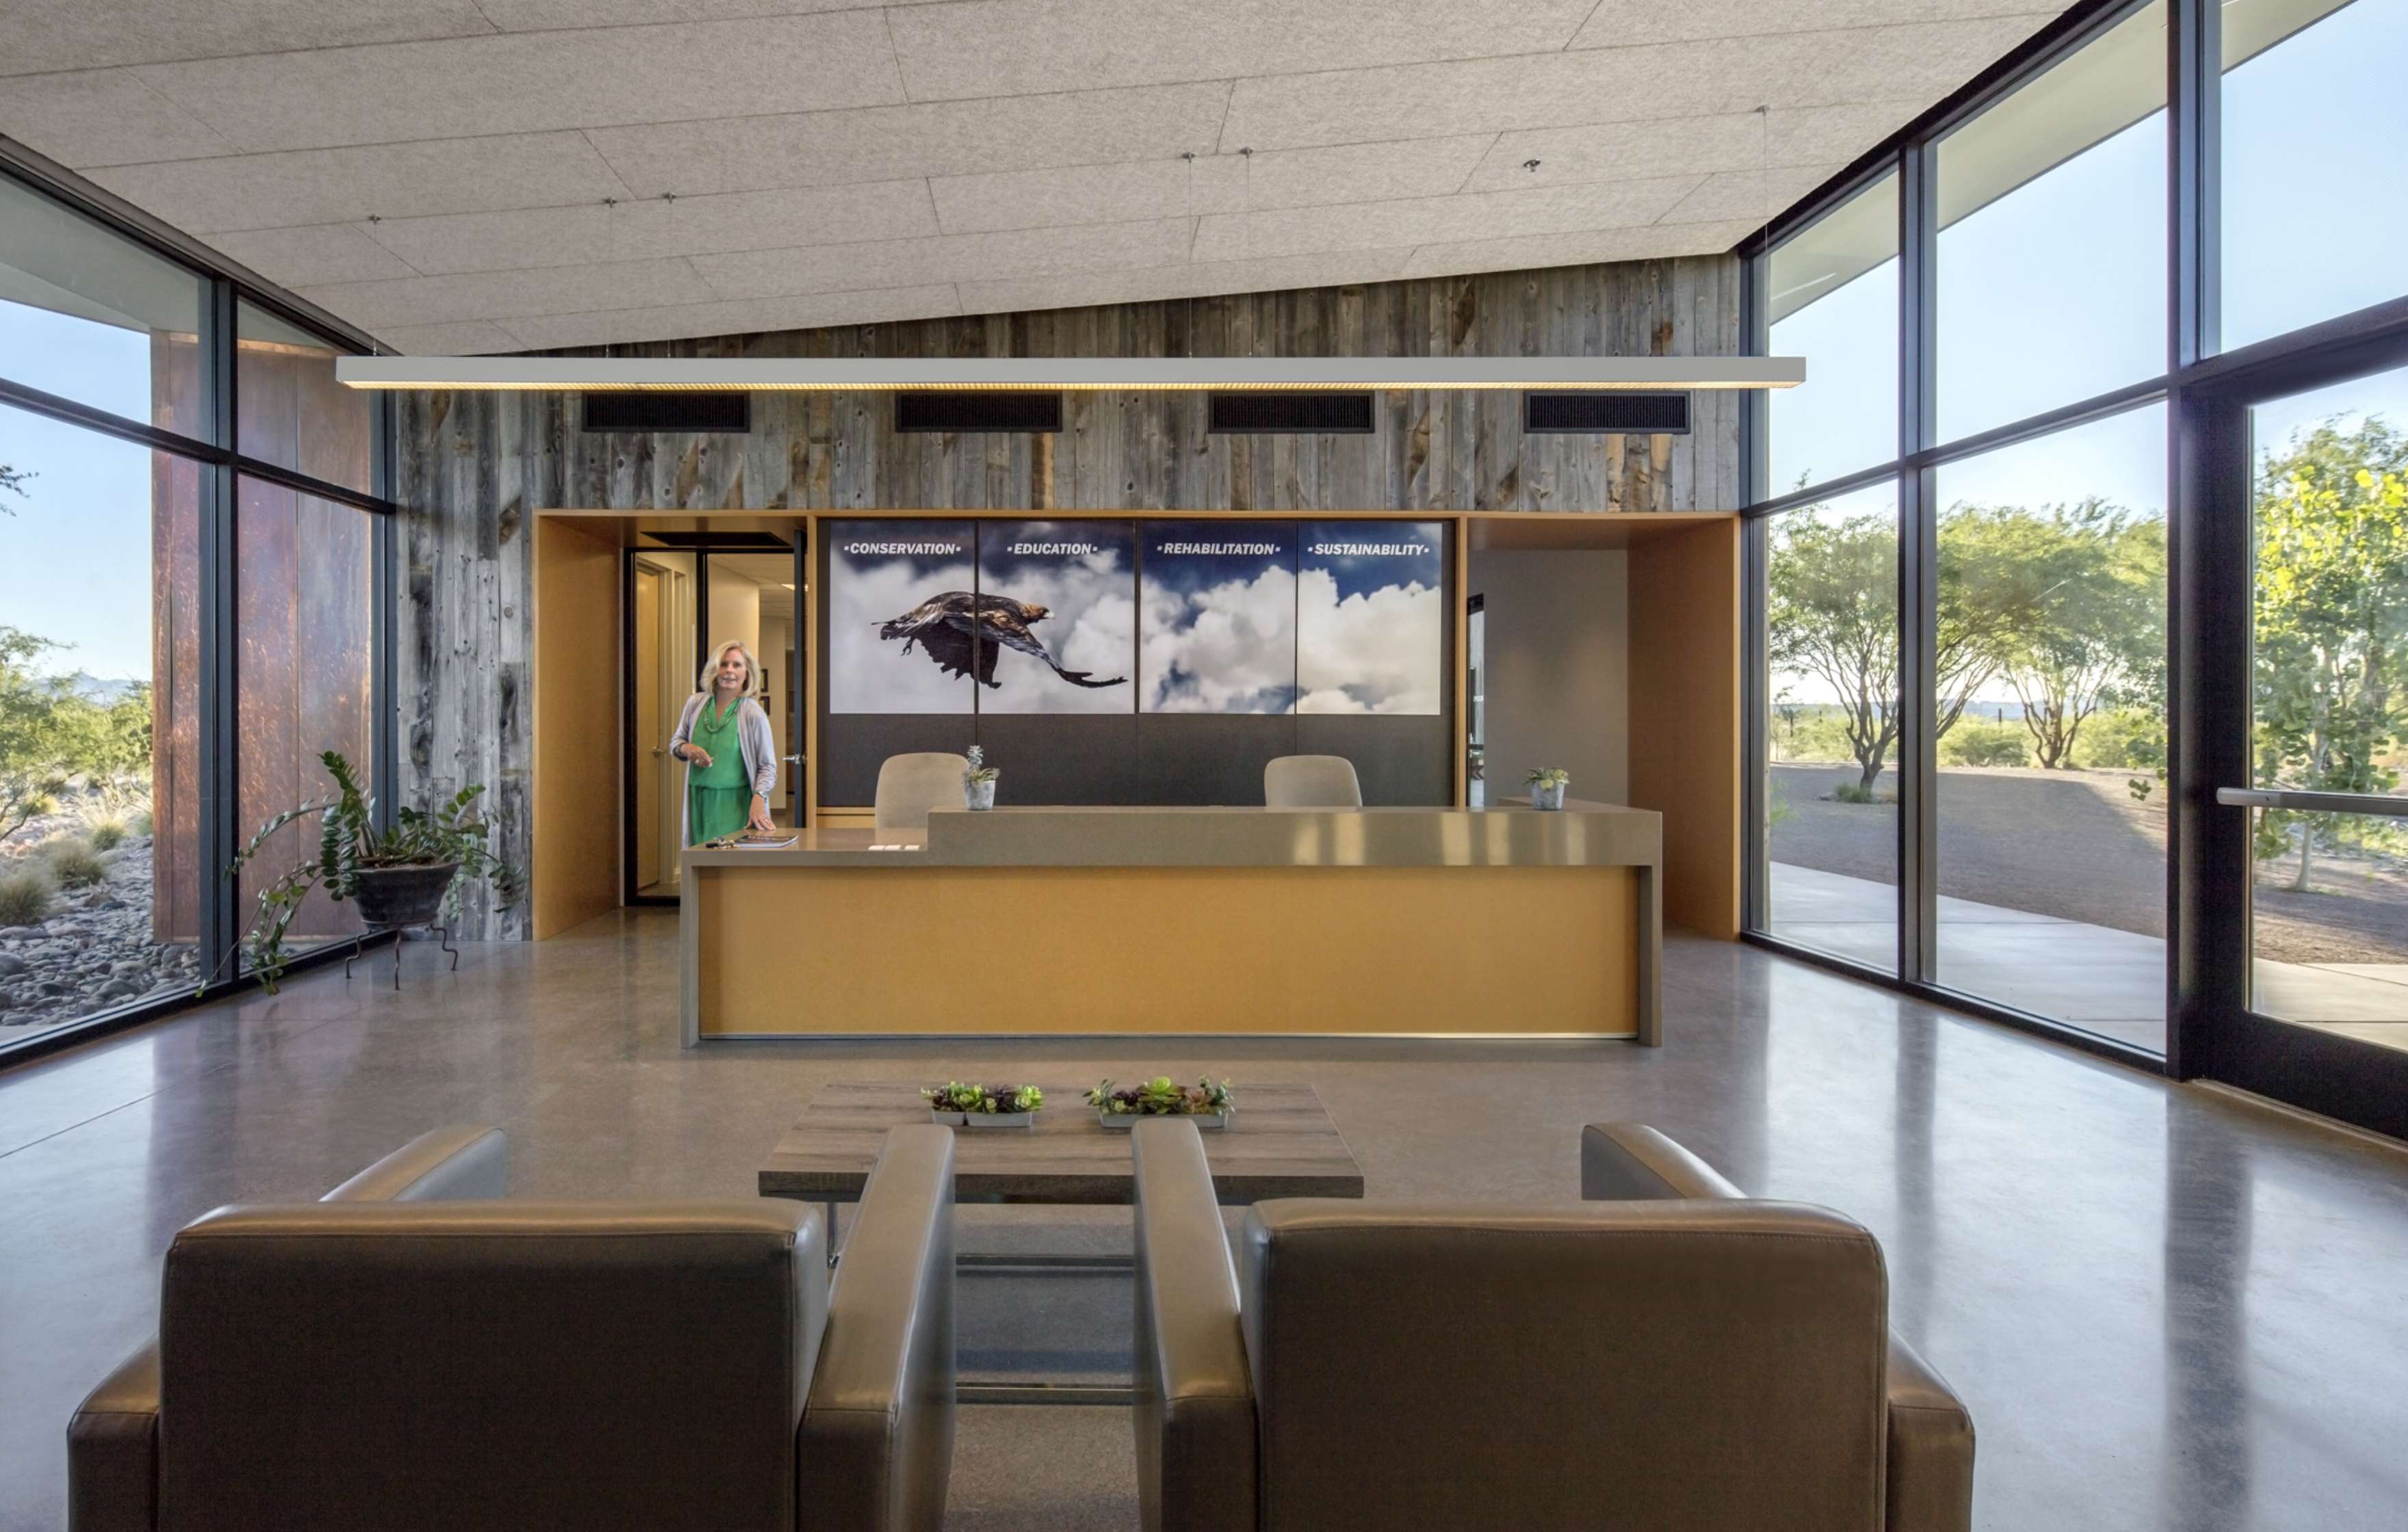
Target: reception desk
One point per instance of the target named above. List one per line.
(1126, 921)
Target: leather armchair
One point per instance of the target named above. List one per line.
(1929, 1455)
(1686, 1366)
(413, 1353)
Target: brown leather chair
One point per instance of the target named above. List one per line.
(413, 1354)
(1929, 1457)
(1674, 1365)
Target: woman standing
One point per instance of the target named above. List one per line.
(731, 760)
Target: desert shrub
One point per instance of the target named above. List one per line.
(107, 834)
(1846, 792)
(2126, 738)
(140, 823)
(73, 862)
(1815, 737)
(27, 894)
(1978, 742)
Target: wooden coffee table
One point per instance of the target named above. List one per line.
(1279, 1142)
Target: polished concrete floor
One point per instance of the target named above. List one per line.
(2169, 1307)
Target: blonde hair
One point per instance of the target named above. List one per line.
(707, 682)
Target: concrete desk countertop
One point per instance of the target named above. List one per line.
(1581, 835)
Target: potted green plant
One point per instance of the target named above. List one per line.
(949, 1102)
(955, 1104)
(399, 876)
(978, 782)
(1547, 786)
(1007, 1106)
(1207, 1104)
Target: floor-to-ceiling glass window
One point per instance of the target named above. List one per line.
(124, 757)
(2062, 300)
(1832, 298)
(2313, 193)
(1832, 724)
(2049, 715)
(100, 875)
(2051, 211)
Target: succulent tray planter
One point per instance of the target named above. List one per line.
(1206, 1104)
(955, 1104)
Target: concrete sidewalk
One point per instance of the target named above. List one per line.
(2103, 981)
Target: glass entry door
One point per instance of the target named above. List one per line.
(2304, 823)
(2329, 898)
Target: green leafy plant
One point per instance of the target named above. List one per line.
(1547, 777)
(1161, 1097)
(27, 894)
(1854, 792)
(350, 844)
(73, 861)
(953, 1096)
(979, 770)
(107, 834)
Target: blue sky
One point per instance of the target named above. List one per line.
(2051, 293)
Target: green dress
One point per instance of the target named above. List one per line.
(719, 797)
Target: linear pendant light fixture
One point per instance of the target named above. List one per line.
(1069, 374)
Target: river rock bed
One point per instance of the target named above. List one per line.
(95, 951)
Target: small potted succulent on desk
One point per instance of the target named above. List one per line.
(1547, 786)
(955, 1104)
(1205, 1103)
(978, 782)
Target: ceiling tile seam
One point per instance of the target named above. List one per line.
(372, 231)
(927, 189)
(1087, 164)
(366, 230)
(1480, 161)
(1694, 180)
(497, 31)
(1582, 27)
(717, 293)
(1952, 22)
(251, 53)
(603, 161)
(504, 322)
(169, 102)
(502, 319)
(894, 54)
(1915, 101)
(1012, 95)
(1221, 134)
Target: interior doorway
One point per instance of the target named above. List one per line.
(685, 597)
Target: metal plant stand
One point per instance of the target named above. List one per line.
(442, 934)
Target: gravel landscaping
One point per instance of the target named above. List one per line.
(95, 951)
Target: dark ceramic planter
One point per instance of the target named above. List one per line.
(403, 896)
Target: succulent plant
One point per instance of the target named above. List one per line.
(1161, 1097)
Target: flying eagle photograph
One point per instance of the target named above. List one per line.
(962, 632)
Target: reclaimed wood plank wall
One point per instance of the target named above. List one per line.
(474, 467)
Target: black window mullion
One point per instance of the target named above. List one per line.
(383, 570)
(2194, 81)
(1918, 566)
(219, 831)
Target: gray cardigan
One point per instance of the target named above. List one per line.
(754, 741)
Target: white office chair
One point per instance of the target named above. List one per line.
(911, 785)
(1312, 781)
